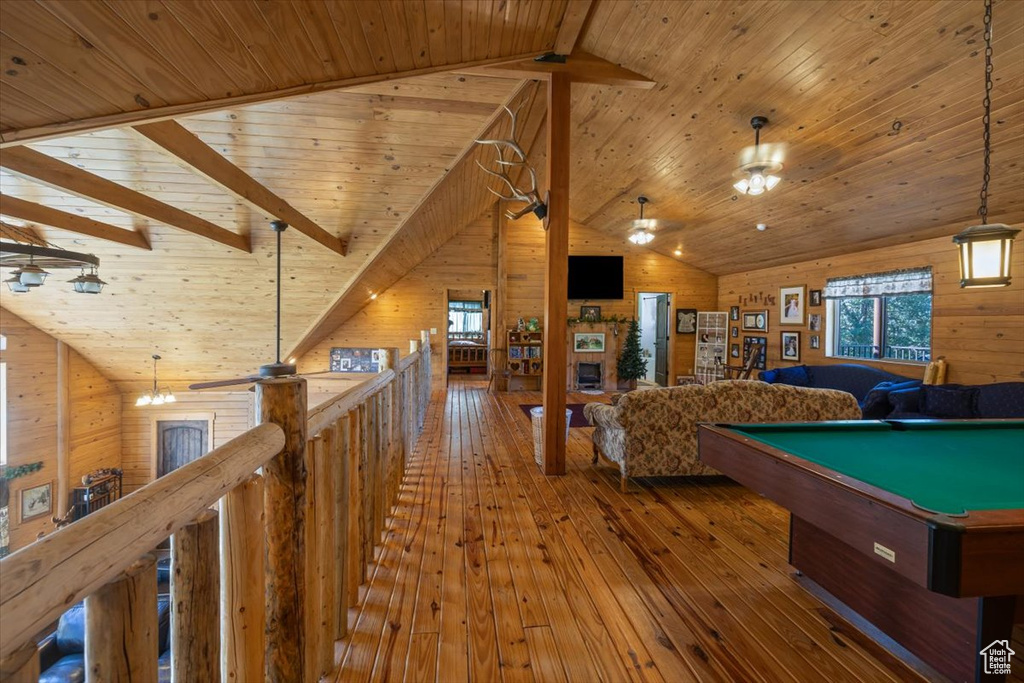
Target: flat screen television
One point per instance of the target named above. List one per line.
(595, 277)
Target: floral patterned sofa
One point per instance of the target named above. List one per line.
(654, 433)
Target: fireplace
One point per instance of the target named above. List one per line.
(589, 375)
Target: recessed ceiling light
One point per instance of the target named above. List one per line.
(678, 252)
(373, 296)
(762, 227)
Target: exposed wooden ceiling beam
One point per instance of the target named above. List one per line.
(37, 213)
(18, 234)
(20, 136)
(582, 67)
(573, 20)
(55, 173)
(174, 138)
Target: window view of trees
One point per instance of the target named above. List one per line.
(890, 327)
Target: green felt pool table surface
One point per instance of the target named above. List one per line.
(945, 467)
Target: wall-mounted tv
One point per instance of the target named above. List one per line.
(595, 277)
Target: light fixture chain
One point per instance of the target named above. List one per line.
(987, 119)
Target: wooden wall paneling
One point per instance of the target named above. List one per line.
(979, 332)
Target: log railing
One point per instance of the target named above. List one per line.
(271, 536)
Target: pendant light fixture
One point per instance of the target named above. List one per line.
(986, 250)
(31, 260)
(760, 164)
(155, 397)
(642, 231)
(88, 284)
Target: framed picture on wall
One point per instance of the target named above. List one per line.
(37, 501)
(686, 321)
(734, 350)
(734, 332)
(755, 321)
(814, 322)
(791, 300)
(815, 297)
(588, 342)
(734, 313)
(790, 346)
(815, 341)
(590, 313)
(749, 342)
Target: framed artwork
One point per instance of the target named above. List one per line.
(790, 346)
(755, 321)
(354, 360)
(791, 300)
(734, 313)
(734, 350)
(590, 313)
(588, 342)
(749, 342)
(37, 501)
(686, 321)
(815, 297)
(814, 322)
(734, 332)
(815, 341)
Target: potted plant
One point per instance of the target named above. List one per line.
(631, 365)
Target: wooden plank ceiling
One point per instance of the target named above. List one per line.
(879, 102)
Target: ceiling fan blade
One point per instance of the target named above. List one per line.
(765, 153)
(314, 374)
(223, 383)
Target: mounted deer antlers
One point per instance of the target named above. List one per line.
(517, 159)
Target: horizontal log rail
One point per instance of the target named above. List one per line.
(317, 486)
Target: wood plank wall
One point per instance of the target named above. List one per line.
(643, 271)
(231, 414)
(467, 261)
(95, 418)
(980, 332)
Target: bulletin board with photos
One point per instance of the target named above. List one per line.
(354, 360)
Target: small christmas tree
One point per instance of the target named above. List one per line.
(631, 365)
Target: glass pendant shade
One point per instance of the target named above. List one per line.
(155, 397)
(14, 283)
(32, 276)
(985, 253)
(88, 284)
(641, 237)
(144, 400)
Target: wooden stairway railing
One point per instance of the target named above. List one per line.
(260, 586)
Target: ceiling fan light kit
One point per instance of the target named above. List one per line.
(760, 164)
(642, 230)
(986, 250)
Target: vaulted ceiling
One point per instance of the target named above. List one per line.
(359, 117)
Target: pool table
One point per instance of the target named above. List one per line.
(916, 525)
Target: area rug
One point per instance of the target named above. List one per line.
(578, 420)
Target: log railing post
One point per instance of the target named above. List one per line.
(195, 598)
(427, 379)
(322, 481)
(354, 545)
(22, 665)
(121, 631)
(340, 472)
(283, 402)
(242, 590)
(412, 412)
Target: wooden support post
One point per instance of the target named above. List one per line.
(121, 642)
(556, 273)
(426, 380)
(499, 329)
(369, 433)
(340, 469)
(283, 402)
(323, 495)
(354, 544)
(413, 388)
(63, 429)
(22, 665)
(242, 591)
(195, 597)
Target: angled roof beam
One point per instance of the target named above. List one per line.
(177, 140)
(575, 16)
(44, 215)
(55, 173)
(582, 67)
(21, 234)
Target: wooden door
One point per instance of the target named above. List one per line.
(179, 442)
(661, 342)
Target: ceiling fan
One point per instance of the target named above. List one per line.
(641, 230)
(760, 164)
(277, 368)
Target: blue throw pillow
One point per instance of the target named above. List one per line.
(876, 406)
(950, 402)
(770, 376)
(905, 401)
(795, 376)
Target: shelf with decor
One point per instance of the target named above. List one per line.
(525, 362)
(712, 340)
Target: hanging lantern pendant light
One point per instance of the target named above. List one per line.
(986, 250)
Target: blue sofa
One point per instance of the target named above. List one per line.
(958, 402)
(62, 653)
(868, 385)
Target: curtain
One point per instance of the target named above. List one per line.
(911, 281)
(465, 316)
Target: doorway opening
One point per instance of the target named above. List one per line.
(468, 335)
(652, 316)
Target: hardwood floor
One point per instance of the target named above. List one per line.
(492, 572)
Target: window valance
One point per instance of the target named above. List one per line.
(910, 281)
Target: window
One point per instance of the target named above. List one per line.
(885, 316)
(466, 317)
